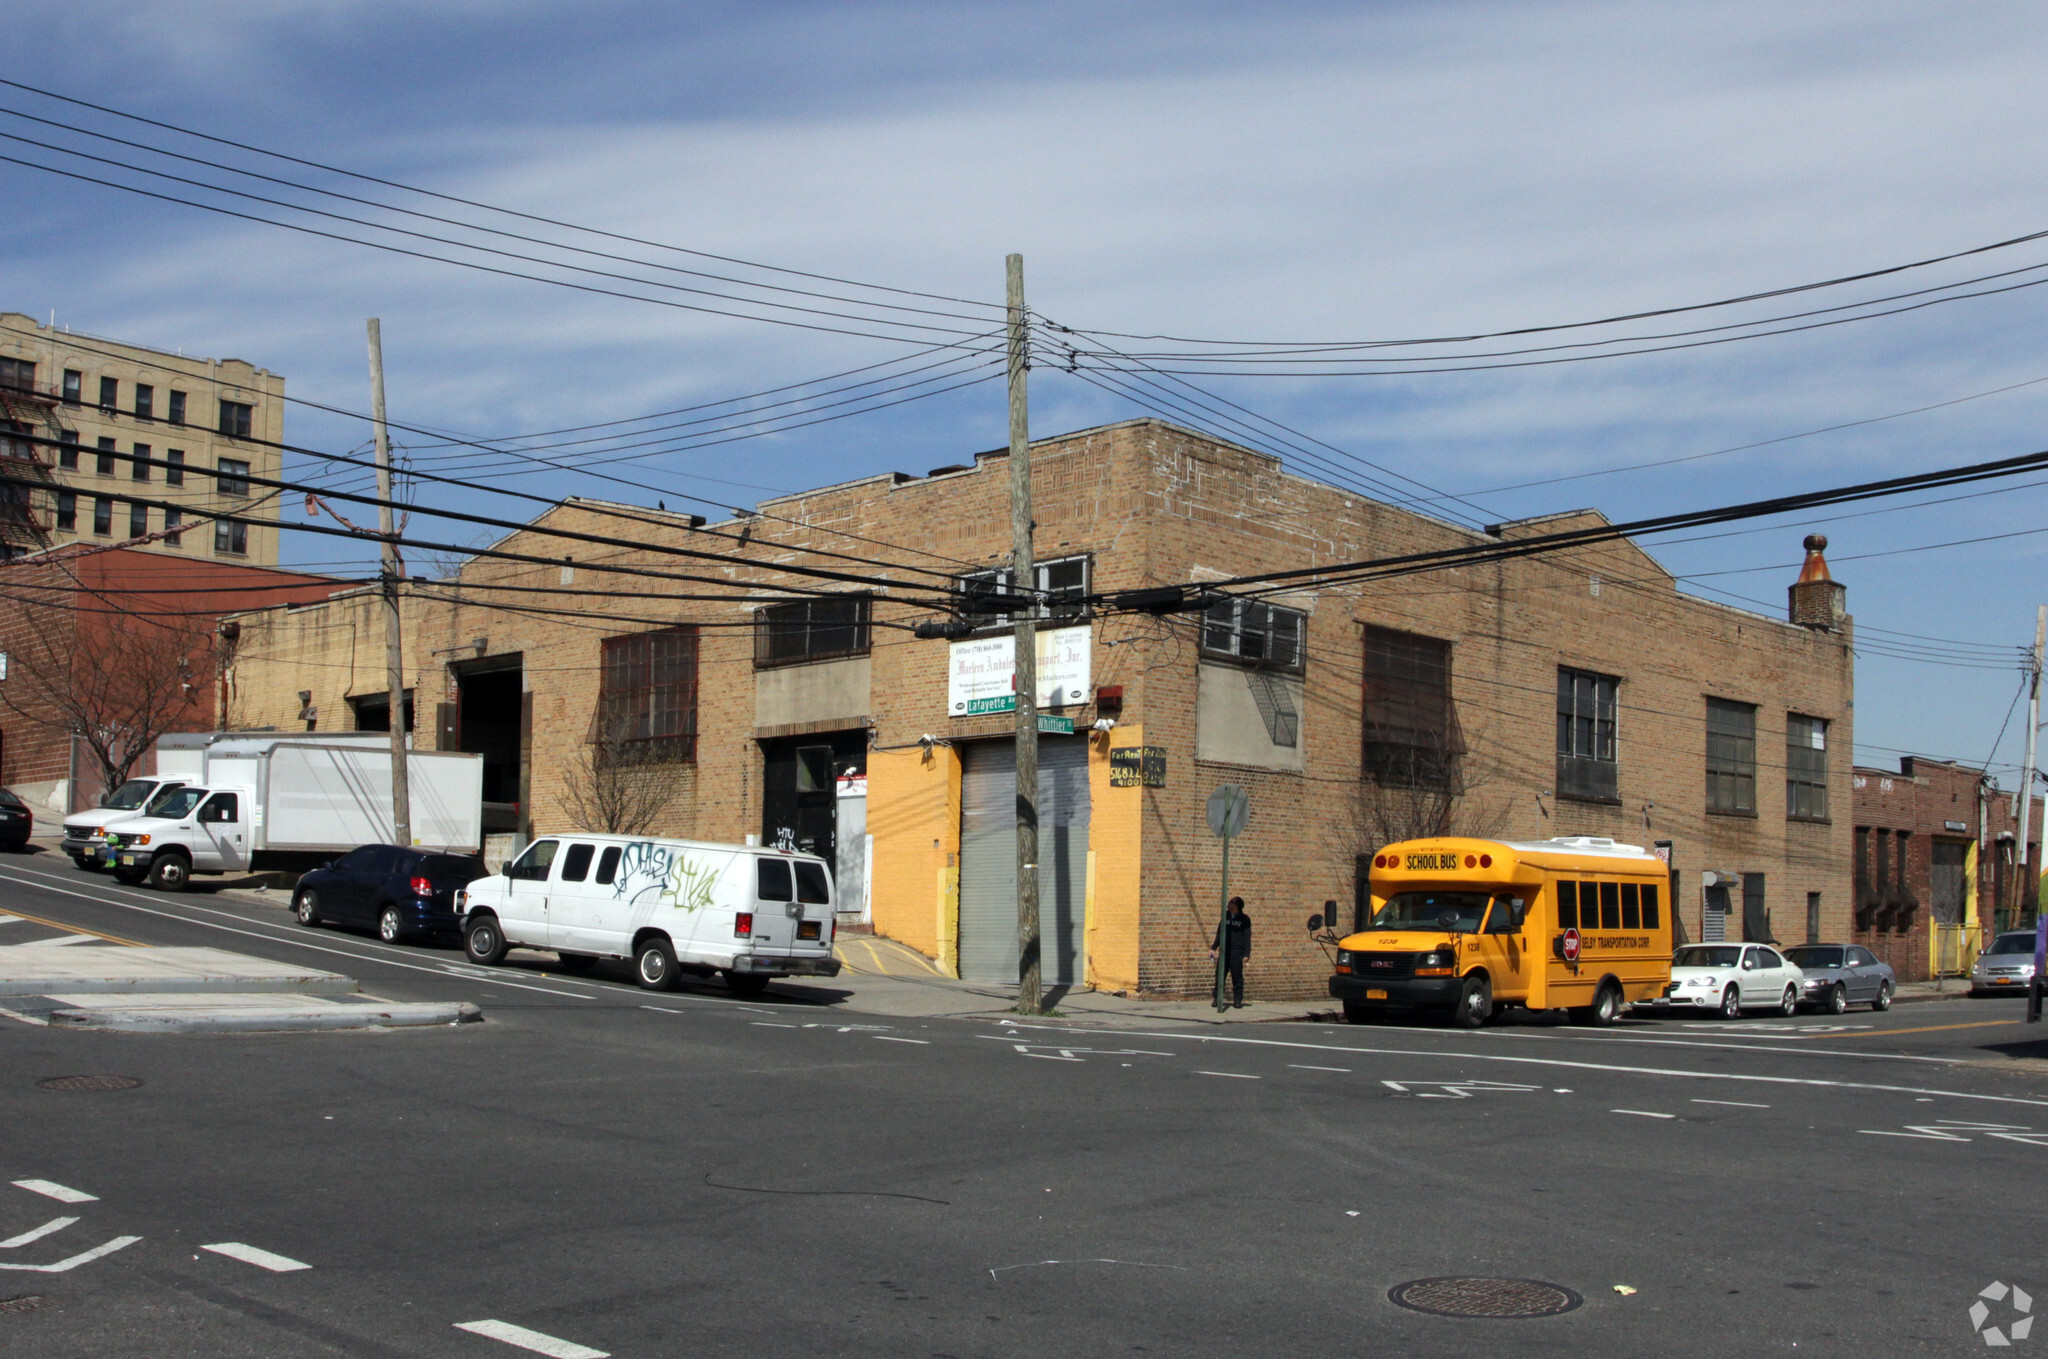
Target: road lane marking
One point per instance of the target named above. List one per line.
(1733, 1103)
(553, 1346)
(62, 1266)
(764, 1024)
(1937, 1028)
(55, 1224)
(49, 1189)
(262, 1259)
(14, 914)
(1302, 1066)
(1234, 1075)
(62, 940)
(885, 1038)
(1814, 1081)
(1641, 1113)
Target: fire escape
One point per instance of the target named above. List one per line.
(26, 414)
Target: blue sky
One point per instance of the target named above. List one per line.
(1272, 171)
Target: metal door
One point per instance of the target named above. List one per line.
(1756, 918)
(1947, 881)
(988, 860)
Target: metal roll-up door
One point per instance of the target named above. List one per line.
(988, 859)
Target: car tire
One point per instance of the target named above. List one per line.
(1788, 1004)
(170, 873)
(576, 962)
(483, 941)
(1838, 1000)
(1883, 1001)
(1474, 1005)
(654, 965)
(390, 925)
(1605, 1009)
(745, 983)
(1731, 1003)
(307, 908)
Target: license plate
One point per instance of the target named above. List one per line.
(1375, 995)
(2001, 981)
(128, 859)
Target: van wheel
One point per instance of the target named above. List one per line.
(745, 983)
(484, 941)
(1474, 1004)
(575, 962)
(654, 966)
(170, 873)
(1884, 997)
(1605, 1009)
(307, 909)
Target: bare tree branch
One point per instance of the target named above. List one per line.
(614, 788)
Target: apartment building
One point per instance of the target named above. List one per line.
(1574, 692)
(106, 442)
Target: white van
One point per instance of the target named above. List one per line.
(672, 906)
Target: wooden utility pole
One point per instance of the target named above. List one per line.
(394, 638)
(1023, 579)
(2030, 871)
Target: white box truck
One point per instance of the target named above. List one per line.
(258, 801)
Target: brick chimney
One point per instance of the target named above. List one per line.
(1817, 600)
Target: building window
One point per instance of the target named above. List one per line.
(1262, 634)
(173, 517)
(1587, 768)
(18, 375)
(140, 468)
(232, 474)
(67, 511)
(105, 466)
(1411, 728)
(110, 394)
(74, 385)
(67, 449)
(811, 630)
(174, 475)
(234, 418)
(15, 442)
(176, 413)
(647, 699)
(230, 537)
(103, 516)
(145, 401)
(1731, 757)
(1061, 585)
(138, 519)
(1806, 768)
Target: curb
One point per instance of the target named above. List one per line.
(406, 1016)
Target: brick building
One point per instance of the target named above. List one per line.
(90, 406)
(120, 637)
(1576, 692)
(1938, 866)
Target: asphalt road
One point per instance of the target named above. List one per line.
(599, 1170)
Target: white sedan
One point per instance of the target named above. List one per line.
(1731, 978)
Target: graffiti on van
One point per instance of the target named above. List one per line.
(689, 884)
(643, 868)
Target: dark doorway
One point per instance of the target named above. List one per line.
(1813, 917)
(373, 711)
(1756, 917)
(1361, 894)
(800, 789)
(489, 701)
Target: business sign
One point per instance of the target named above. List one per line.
(1137, 767)
(982, 672)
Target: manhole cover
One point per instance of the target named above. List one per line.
(89, 1083)
(1484, 1297)
(31, 1303)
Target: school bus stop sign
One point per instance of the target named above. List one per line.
(1571, 945)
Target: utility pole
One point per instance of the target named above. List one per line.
(394, 638)
(2030, 873)
(1023, 580)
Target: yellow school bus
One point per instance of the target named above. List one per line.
(1579, 923)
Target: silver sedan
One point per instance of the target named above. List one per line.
(1841, 975)
(2006, 967)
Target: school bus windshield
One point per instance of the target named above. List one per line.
(1447, 912)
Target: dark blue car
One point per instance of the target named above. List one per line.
(398, 892)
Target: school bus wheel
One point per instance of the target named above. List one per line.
(1474, 1004)
(1606, 1006)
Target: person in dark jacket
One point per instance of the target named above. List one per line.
(1234, 937)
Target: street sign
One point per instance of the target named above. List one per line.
(1056, 726)
(1229, 806)
(1571, 945)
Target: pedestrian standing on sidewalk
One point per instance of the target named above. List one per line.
(1234, 937)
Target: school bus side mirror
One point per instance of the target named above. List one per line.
(1519, 912)
(1315, 922)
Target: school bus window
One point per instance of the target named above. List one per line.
(1649, 905)
(1506, 917)
(1631, 907)
(1567, 905)
(1451, 912)
(1610, 905)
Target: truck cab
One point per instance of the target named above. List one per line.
(196, 829)
(135, 798)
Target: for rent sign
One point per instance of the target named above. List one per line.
(983, 670)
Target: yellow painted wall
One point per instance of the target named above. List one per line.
(914, 816)
(1115, 820)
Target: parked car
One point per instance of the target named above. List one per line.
(2006, 967)
(397, 892)
(1730, 978)
(16, 821)
(1841, 975)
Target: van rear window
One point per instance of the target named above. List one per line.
(607, 866)
(456, 867)
(813, 888)
(772, 880)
